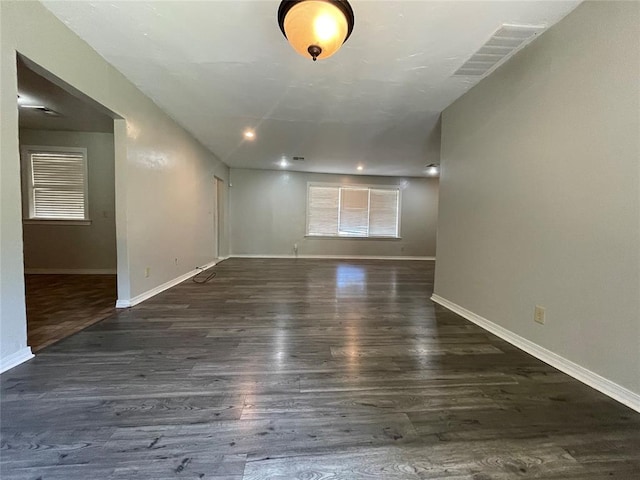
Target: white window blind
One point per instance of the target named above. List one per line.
(383, 213)
(57, 185)
(353, 211)
(322, 210)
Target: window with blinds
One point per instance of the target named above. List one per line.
(353, 211)
(56, 184)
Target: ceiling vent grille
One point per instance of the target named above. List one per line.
(298, 159)
(48, 111)
(502, 45)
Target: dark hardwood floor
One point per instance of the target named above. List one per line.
(61, 305)
(309, 370)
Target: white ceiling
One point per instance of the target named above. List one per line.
(219, 67)
(73, 113)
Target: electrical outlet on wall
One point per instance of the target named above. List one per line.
(539, 315)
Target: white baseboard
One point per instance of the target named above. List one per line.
(329, 257)
(15, 359)
(124, 303)
(70, 271)
(603, 385)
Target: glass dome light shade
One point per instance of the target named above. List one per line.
(316, 23)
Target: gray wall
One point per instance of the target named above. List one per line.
(268, 215)
(163, 176)
(539, 193)
(51, 247)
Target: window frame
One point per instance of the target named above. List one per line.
(28, 206)
(396, 188)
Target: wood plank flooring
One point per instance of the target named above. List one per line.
(309, 370)
(61, 305)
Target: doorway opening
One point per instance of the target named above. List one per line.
(68, 203)
(218, 205)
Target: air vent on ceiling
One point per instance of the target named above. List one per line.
(298, 159)
(40, 108)
(505, 42)
(48, 111)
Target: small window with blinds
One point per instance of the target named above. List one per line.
(56, 183)
(353, 211)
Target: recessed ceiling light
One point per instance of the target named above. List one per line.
(360, 168)
(283, 163)
(35, 107)
(249, 134)
(433, 170)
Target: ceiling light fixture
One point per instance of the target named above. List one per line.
(40, 108)
(284, 163)
(360, 168)
(249, 134)
(33, 107)
(433, 170)
(316, 27)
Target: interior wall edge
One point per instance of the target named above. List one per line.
(70, 271)
(603, 385)
(15, 359)
(334, 257)
(126, 302)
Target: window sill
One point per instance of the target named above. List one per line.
(42, 221)
(345, 237)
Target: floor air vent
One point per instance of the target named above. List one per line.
(506, 41)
